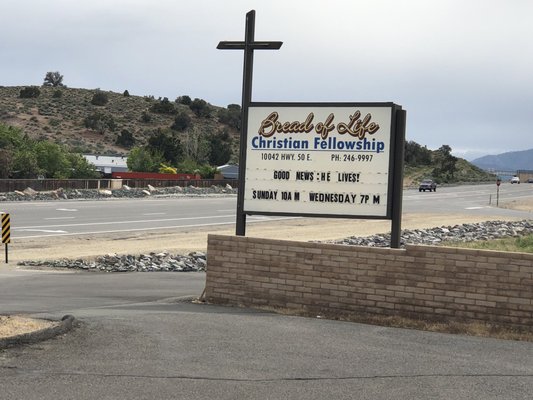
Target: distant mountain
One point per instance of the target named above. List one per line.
(513, 160)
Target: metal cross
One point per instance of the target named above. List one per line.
(249, 45)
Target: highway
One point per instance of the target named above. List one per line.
(82, 217)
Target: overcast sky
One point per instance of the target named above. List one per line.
(463, 69)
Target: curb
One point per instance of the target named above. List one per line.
(66, 324)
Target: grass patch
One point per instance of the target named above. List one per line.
(474, 328)
(521, 244)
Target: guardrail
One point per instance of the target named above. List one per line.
(10, 185)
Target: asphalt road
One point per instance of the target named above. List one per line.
(71, 218)
(138, 340)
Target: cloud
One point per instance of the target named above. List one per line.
(460, 68)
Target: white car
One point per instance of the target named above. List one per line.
(515, 179)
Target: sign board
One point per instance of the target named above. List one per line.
(320, 159)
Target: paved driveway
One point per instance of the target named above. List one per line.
(134, 344)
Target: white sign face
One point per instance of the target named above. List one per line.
(326, 160)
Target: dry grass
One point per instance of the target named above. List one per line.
(14, 325)
(520, 205)
(522, 244)
(474, 328)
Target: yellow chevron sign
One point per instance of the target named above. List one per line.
(6, 229)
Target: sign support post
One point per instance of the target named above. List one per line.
(498, 182)
(249, 45)
(396, 224)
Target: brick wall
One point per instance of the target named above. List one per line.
(438, 283)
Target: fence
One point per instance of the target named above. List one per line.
(10, 185)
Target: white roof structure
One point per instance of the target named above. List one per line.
(229, 171)
(108, 164)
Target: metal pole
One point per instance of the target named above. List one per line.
(497, 196)
(246, 99)
(7, 254)
(397, 196)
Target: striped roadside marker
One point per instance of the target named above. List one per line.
(6, 232)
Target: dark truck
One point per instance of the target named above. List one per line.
(427, 184)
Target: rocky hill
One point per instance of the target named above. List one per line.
(108, 123)
(68, 116)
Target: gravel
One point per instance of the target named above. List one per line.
(457, 233)
(153, 262)
(197, 261)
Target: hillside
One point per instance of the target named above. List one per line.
(67, 116)
(466, 173)
(59, 115)
(513, 160)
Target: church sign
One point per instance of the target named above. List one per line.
(320, 159)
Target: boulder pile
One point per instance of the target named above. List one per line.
(197, 261)
(152, 262)
(124, 192)
(481, 231)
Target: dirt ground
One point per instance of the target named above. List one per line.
(184, 241)
(17, 325)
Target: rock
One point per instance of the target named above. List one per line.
(151, 188)
(120, 193)
(197, 261)
(228, 186)
(29, 192)
(126, 188)
(146, 192)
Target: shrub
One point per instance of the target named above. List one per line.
(125, 138)
(181, 122)
(185, 100)
(100, 122)
(57, 94)
(163, 107)
(231, 116)
(126, 93)
(29, 92)
(146, 117)
(220, 148)
(165, 169)
(167, 145)
(99, 98)
(200, 108)
(142, 159)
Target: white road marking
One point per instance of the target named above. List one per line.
(66, 209)
(160, 213)
(41, 230)
(61, 218)
(473, 208)
(145, 229)
(126, 222)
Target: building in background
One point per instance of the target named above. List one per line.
(229, 171)
(108, 164)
